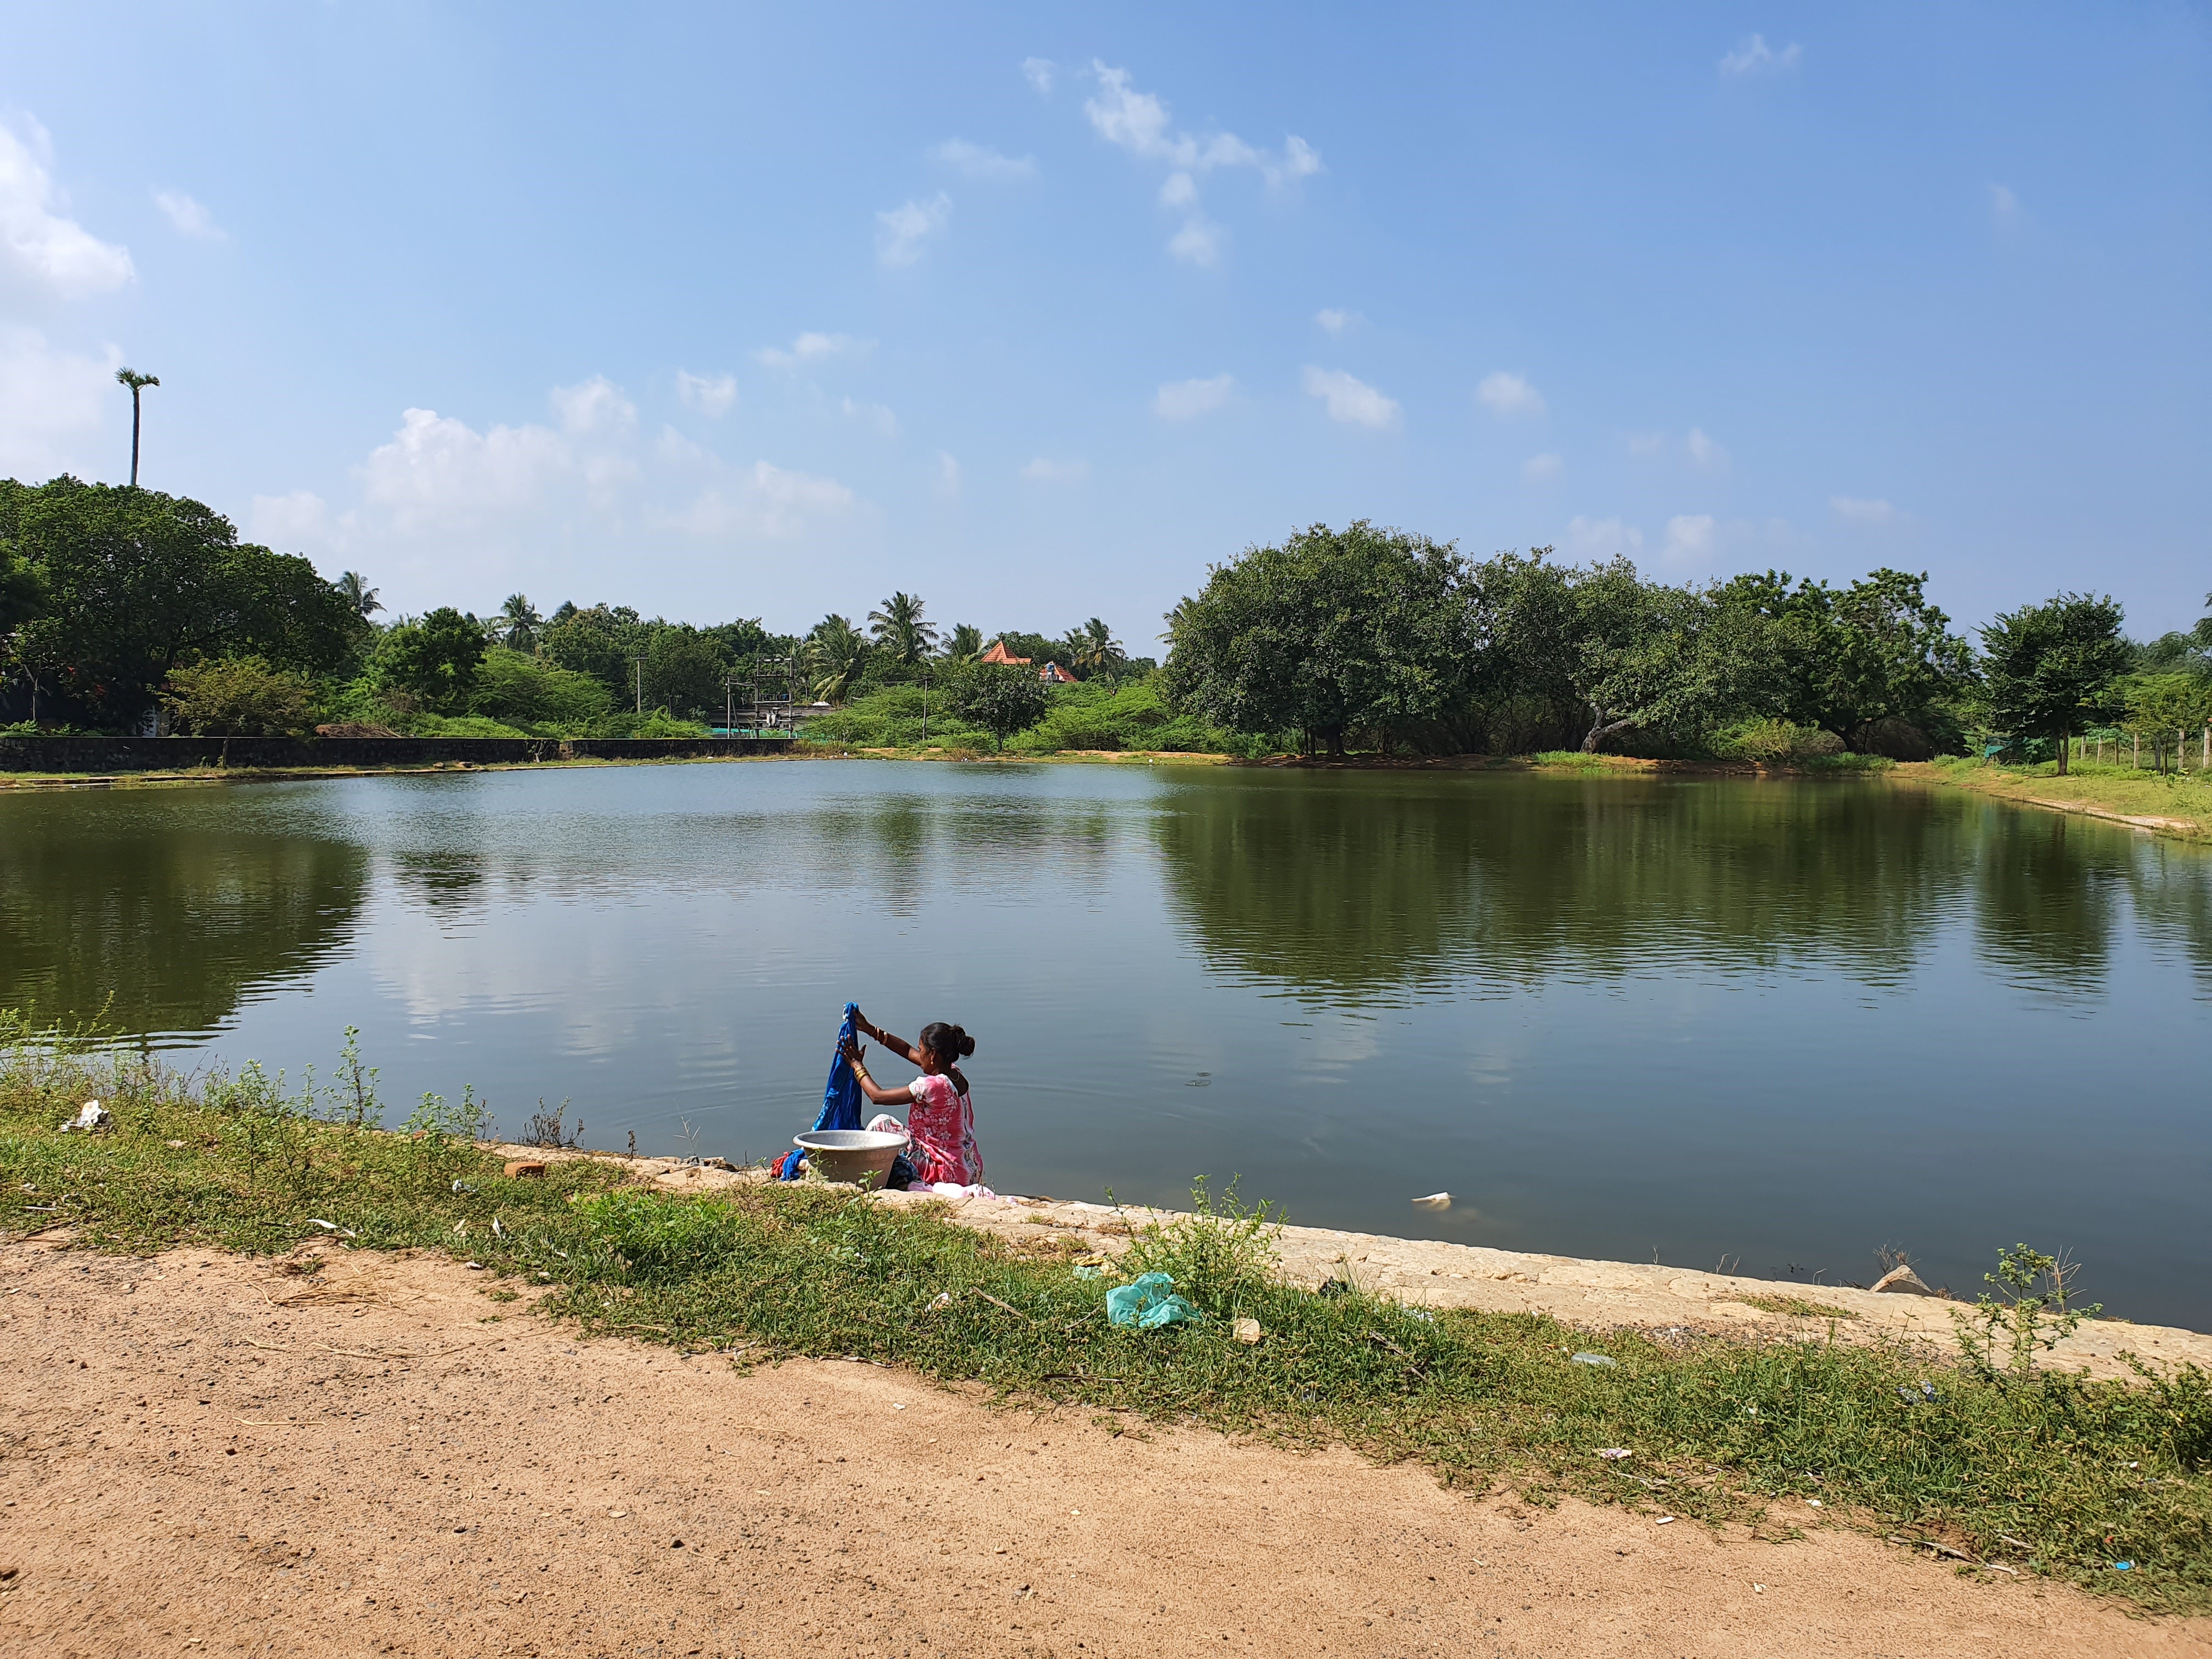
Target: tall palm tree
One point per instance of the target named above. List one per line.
(836, 652)
(1186, 612)
(1094, 647)
(517, 623)
(137, 383)
(359, 594)
(964, 643)
(897, 625)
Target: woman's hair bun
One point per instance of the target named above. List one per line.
(949, 1040)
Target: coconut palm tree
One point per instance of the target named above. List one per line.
(517, 623)
(964, 643)
(1094, 647)
(359, 594)
(137, 383)
(897, 627)
(836, 653)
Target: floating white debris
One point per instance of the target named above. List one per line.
(1435, 1201)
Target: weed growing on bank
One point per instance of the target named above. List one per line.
(2036, 1469)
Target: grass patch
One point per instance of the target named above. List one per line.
(1797, 1305)
(2128, 791)
(2082, 1472)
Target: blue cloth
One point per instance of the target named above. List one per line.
(840, 1095)
(1147, 1302)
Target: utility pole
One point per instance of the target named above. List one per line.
(729, 706)
(137, 382)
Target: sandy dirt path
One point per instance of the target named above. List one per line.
(200, 1455)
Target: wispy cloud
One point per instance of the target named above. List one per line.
(948, 473)
(2002, 202)
(1601, 539)
(1647, 443)
(1039, 72)
(38, 239)
(1333, 320)
(1860, 509)
(1689, 539)
(1199, 242)
(1350, 400)
(50, 400)
(710, 394)
(1506, 393)
(594, 405)
(902, 232)
(187, 215)
(875, 416)
(812, 347)
(981, 161)
(1754, 57)
(1042, 470)
(1186, 400)
(1703, 451)
(1542, 469)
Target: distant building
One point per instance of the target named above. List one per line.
(1052, 673)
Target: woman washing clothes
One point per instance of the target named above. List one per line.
(940, 1124)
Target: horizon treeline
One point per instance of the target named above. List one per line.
(115, 602)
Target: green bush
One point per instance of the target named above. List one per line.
(527, 691)
(1773, 740)
(240, 697)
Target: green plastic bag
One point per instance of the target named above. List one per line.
(1147, 1302)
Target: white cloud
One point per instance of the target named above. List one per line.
(2002, 202)
(1646, 443)
(437, 467)
(1754, 57)
(1507, 393)
(901, 232)
(980, 161)
(1861, 510)
(1351, 400)
(1186, 400)
(1199, 242)
(187, 215)
(592, 405)
(1703, 451)
(1601, 539)
(37, 239)
(710, 394)
(1042, 470)
(808, 347)
(1689, 539)
(51, 399)
(300, 518)
(948, 473)
(1178, 191)
(1542, 469)
(1038, 72)
(876, 419)
(765, 500)
(1333, 320)
(1139, 123)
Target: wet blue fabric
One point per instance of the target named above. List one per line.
(1147, 1302)
(840, 1095)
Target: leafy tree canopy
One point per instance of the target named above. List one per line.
(1002, 701)
(138, 583)
(1334, 630)
(2050, 670)
(240, 697)
(432, 661)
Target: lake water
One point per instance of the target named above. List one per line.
(1780, 1022)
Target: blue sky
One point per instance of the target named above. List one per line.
(1037, 312)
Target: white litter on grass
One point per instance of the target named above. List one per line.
(1664, 1520)
(1435, 1201)
(1614, 1453)
(91, 1119)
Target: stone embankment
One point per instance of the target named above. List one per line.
(1594, 1294)
(129, 755)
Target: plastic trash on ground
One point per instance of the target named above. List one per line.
(91, 1119)
(1248, 1330)
(1594, 1359)
(1147, 1302)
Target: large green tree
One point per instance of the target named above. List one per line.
(1850, 660)
(685, 668)
(1333, 632)
(136, 583)
(1002, 701)
(2052, 668)
(432, 660)
(602, 641)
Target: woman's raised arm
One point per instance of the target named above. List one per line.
(878, 1095)
(898, 1046)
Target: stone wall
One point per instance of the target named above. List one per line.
(58, 754)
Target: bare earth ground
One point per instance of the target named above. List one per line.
(200, 1455)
